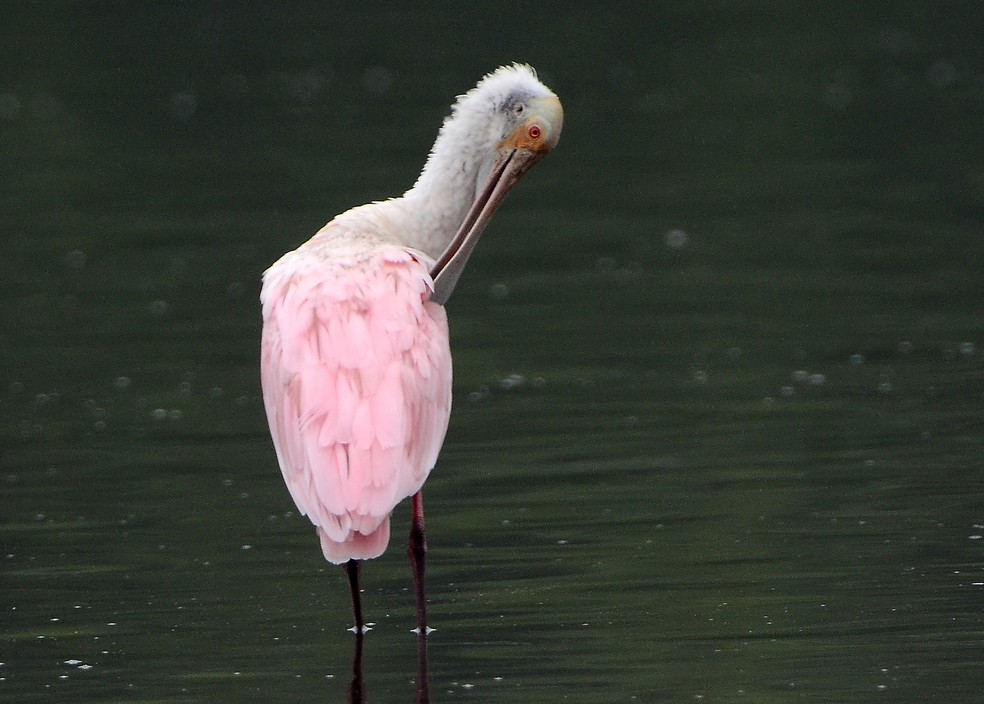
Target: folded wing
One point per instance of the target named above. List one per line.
(356, 374)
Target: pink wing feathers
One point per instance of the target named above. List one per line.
(356, 374)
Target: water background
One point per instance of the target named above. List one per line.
(719, 361)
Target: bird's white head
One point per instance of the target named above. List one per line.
(508, 108)
(496, 133)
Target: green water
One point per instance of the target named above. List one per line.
(719, 361)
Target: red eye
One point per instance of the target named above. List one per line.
(534, 132)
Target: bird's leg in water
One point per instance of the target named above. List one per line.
(418, 560)
(352, 570)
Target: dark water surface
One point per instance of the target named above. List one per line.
(719, 362)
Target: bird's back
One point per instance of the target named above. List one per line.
(356, 375)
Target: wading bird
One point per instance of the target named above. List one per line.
(356, 363)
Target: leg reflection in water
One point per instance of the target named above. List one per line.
(357, 692)
(423, 682)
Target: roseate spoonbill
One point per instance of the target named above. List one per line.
(356, 364)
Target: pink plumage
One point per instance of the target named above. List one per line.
(356, 374)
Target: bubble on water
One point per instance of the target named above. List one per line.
(178, 267)
(818, 379)
(605, 265)
(838, 96)
(10, 106)
(885, 387)
(69, 303)
(46, 399)
(800, 376)
(159, 414)
(174, 414)
(787, 391)
(893, 41)
(74, 259)
(966, 350)
(512, 381)
(276, 85)
(183, 106)
(45, 106)
(895, 80)
(479, 395)
(856, 360)
(632, 270)
(676, 239)
(700, 376)
(216, 392)
(377, 80)
(158, 307)
(121, 383)
(942, 74)
(905, 347)
(233, 86)
(498, 291)
(306, 86)
(247, 251)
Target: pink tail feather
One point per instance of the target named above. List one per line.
(358, 546)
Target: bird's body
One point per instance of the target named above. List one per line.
(356, 362)
(361, 367)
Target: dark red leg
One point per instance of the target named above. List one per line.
(352, 570)
(418, 560)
